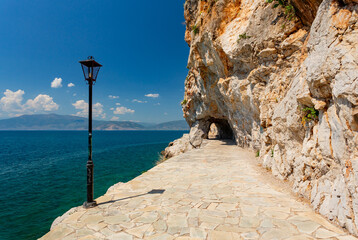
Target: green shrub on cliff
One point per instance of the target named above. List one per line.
(195, 29)
(243, 36)
(289, 10)
(310, 114)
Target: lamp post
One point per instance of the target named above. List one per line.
(90, 70)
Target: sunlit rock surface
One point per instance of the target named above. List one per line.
(253, 69)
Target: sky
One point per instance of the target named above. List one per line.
(139, 43)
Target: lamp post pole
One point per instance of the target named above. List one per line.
(90, 202)
(90, 70)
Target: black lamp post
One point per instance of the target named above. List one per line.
(90, 70)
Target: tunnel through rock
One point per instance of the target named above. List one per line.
(220, 129)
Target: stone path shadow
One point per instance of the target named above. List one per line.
(153, 191)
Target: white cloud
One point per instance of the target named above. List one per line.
(111, 109)
(165, 114)
(138, 101)
(70, 85)
(97, 109)
(81, 105)
(56, 83)
(118, 104)
(75, 94)
(157, 104)
(113, 97)
(41, 103)
(122, 110)
(12, 103)
(152, 95)
(114, 118)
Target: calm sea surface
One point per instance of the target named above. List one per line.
(43, 173)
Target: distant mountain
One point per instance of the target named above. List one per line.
(62, 122)
(173, 125)
(66, 122)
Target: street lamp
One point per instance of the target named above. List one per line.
(90, 70)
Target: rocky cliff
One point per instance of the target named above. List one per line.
(281, 77)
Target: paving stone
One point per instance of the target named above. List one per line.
(84, 232)
(214, 213)
(266, 223)
(212, 206)
(127, 225)
(300, 237)
(230, 220)
(96, 227)
(324, 233)
(148, 217)
(276, 214)
(115, 228)
(99, 235)
(138, 231)
(120, 236)
(250, 235)
(58, 233)
(307, 227)
(177, 220)
(74, 217)
(106, 232)
(70, 237)
(174, 230)
(227, 206)
(121, 218)
(193, 213)
(249, 210)
(91, 219)
(210, 219)
(198, 233)
(228, 228)
(88, 238)
(346, 238)
(193, 222)
(275, 234)
(220, 235)
(204, 205)
(214, 192)
(249, 222)
(160, 236)
(160, 225)
(208, 225)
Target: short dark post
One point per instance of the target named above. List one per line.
(90, 70)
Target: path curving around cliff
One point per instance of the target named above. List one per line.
(216, 192)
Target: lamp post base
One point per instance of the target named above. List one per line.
(89, 204)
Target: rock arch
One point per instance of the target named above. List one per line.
(201, 130)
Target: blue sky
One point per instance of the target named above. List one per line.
(139, 43)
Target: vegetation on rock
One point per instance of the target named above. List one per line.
(195, 29)
(289, 10)
(310, 114)
(243, 36)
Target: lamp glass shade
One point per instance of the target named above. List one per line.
(90, 69)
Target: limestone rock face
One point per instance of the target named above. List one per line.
(285, 87)
(178, 147)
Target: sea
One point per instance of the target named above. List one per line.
(43, 173)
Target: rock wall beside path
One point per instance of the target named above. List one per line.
(286, 84)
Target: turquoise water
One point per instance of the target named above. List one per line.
(43, 173)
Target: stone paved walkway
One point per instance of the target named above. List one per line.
(211, 193)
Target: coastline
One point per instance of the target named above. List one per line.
(53, 162)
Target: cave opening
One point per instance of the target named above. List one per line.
(220, 129)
